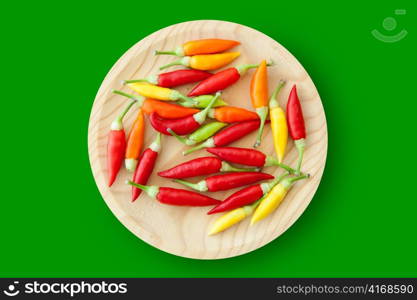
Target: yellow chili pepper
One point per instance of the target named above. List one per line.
(278, 124)
(235, 216)
(205, 62)
(274, 198)
(156, 92)
(231, 218)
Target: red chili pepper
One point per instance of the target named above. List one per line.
(249, 157)
(246, 196)
(174, 78)
(145, 166)
(200, 166)
(173, 196)
(116, 146)
(220, 80)
(296, 125)
(184, 125)
(227, 135)
(226, 181)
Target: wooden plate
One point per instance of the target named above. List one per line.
(183, 230)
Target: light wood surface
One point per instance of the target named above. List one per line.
(183, 230)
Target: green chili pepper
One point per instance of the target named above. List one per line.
(201, 134)
(202, 102)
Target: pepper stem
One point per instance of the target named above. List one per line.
(151, 190)
(124, 112)
(138, 98)
(229, 168)
(288, 182)
(271, 161)
(165, 52)
(278, 179)
(156, 144)
(242, 69)
(273, 100)
(300, 145)
(174, 63)
(201, 186)
(136, 80)
(208, 143)
(201, 116)
(180, 138)
(262, 113)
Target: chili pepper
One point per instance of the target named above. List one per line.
(224, 182)
(278, 124)
(232, 217)
(232, 114)
(184, 125)
(249, 157)
(202, 102)
(163, 109)
(296, 125)
(200, 166)
(227, 135)
(273, 199)
(205, 62)
(167, 110)
(259, 96)
(146, 163)
(203, 46)
(135, 142)
(221, 80)
(201, 134)
(160, 93)
(246, 196)
(174, 78)
(116, 146)
(235, 216)
(173, 196)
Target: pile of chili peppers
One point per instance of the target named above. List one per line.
(175, 114)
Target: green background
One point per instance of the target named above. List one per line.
(361, 222)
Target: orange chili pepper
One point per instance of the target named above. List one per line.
(231, 114)
(204, 46)
(205, 62)
(259, 96)
(162, 108)
(167, 110)
(135, 142)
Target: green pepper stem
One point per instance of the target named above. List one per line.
(229, 168)
(278, 179)
(151, 190)
(273, 100)
(206, 144)
(180, 138)
(300, 145)
(136, 80)
(288, 182)
(156, 144)
(201, 116)
(242, 69)
(262, 113)
(124, 112)
(165, 52)
(272, 161)
(174, 63)
(138, 98)
(200, 186)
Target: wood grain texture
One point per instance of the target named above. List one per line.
(182, 230)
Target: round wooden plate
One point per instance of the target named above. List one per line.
(183, 230)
